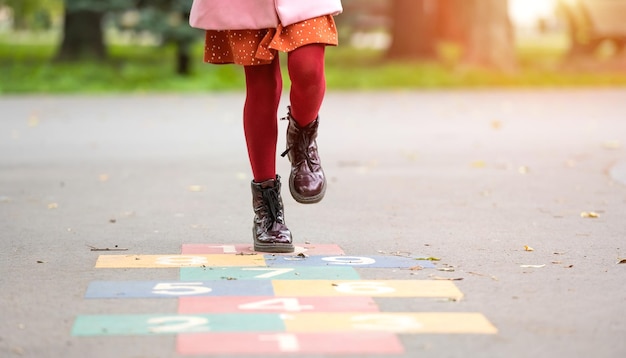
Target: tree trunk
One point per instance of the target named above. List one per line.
(183, 59)
(83, 37)
(413, 29)
(489, 40)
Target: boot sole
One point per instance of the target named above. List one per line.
(306, 199)
(272, 248)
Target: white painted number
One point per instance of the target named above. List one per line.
(364, 288)
(349, 260)
(180, 288)
(178, 324)
(286, 342)
(386, 323)
(181, 260)
(273, 272)
(277, 304)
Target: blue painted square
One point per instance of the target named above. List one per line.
(175, 289)
(347, 261)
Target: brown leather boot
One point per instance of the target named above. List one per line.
(307, 182)
(269, 231)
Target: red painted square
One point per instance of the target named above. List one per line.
(205, 249)
(268, 304)
(288, 343)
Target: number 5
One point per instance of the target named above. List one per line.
(180, 288)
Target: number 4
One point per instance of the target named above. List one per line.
(277, 304)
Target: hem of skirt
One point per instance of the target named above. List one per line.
(268, 61)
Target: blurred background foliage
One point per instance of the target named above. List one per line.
(98, 46)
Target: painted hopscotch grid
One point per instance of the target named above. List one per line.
(264, 273)
(276, 288)
(236, 260)
(282, 343)
(313, 322)
(247, 249)
(266, 304)
(311, 301)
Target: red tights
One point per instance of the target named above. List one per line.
(264, 86)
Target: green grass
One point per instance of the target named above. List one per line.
(27, 68)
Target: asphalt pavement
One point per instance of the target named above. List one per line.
(519, 194)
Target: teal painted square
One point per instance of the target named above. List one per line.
(136, 325)
(269, 273)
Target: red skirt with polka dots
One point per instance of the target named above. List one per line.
(259, 47)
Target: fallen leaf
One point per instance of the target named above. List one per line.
(33, 120)
(40, 262)
(496, 124)
(439, 278)
(478, 164)
(93, 248)
(621, 261)
(196, 188)
(532, 266)
(612, 144)
(528, 248)
(589, 214)
(483, 275)
(428, 259)
(416, 268)
(523, 169)
(53, 206)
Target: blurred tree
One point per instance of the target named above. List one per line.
(169, 19)
(83, 35)
(488, 38)
(481, 27)
(413, 29)
(31, 14)
(483, 30)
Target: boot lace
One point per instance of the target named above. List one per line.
(272, 200)
(301, 144)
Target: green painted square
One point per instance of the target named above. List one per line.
(130, 325)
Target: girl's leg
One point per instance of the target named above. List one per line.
(307, 182)
(263, 90)
(308, 83)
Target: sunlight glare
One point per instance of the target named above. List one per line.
(526, 12)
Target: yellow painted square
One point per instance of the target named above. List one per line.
(368, 288)
(177, 261)
(392, 322)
